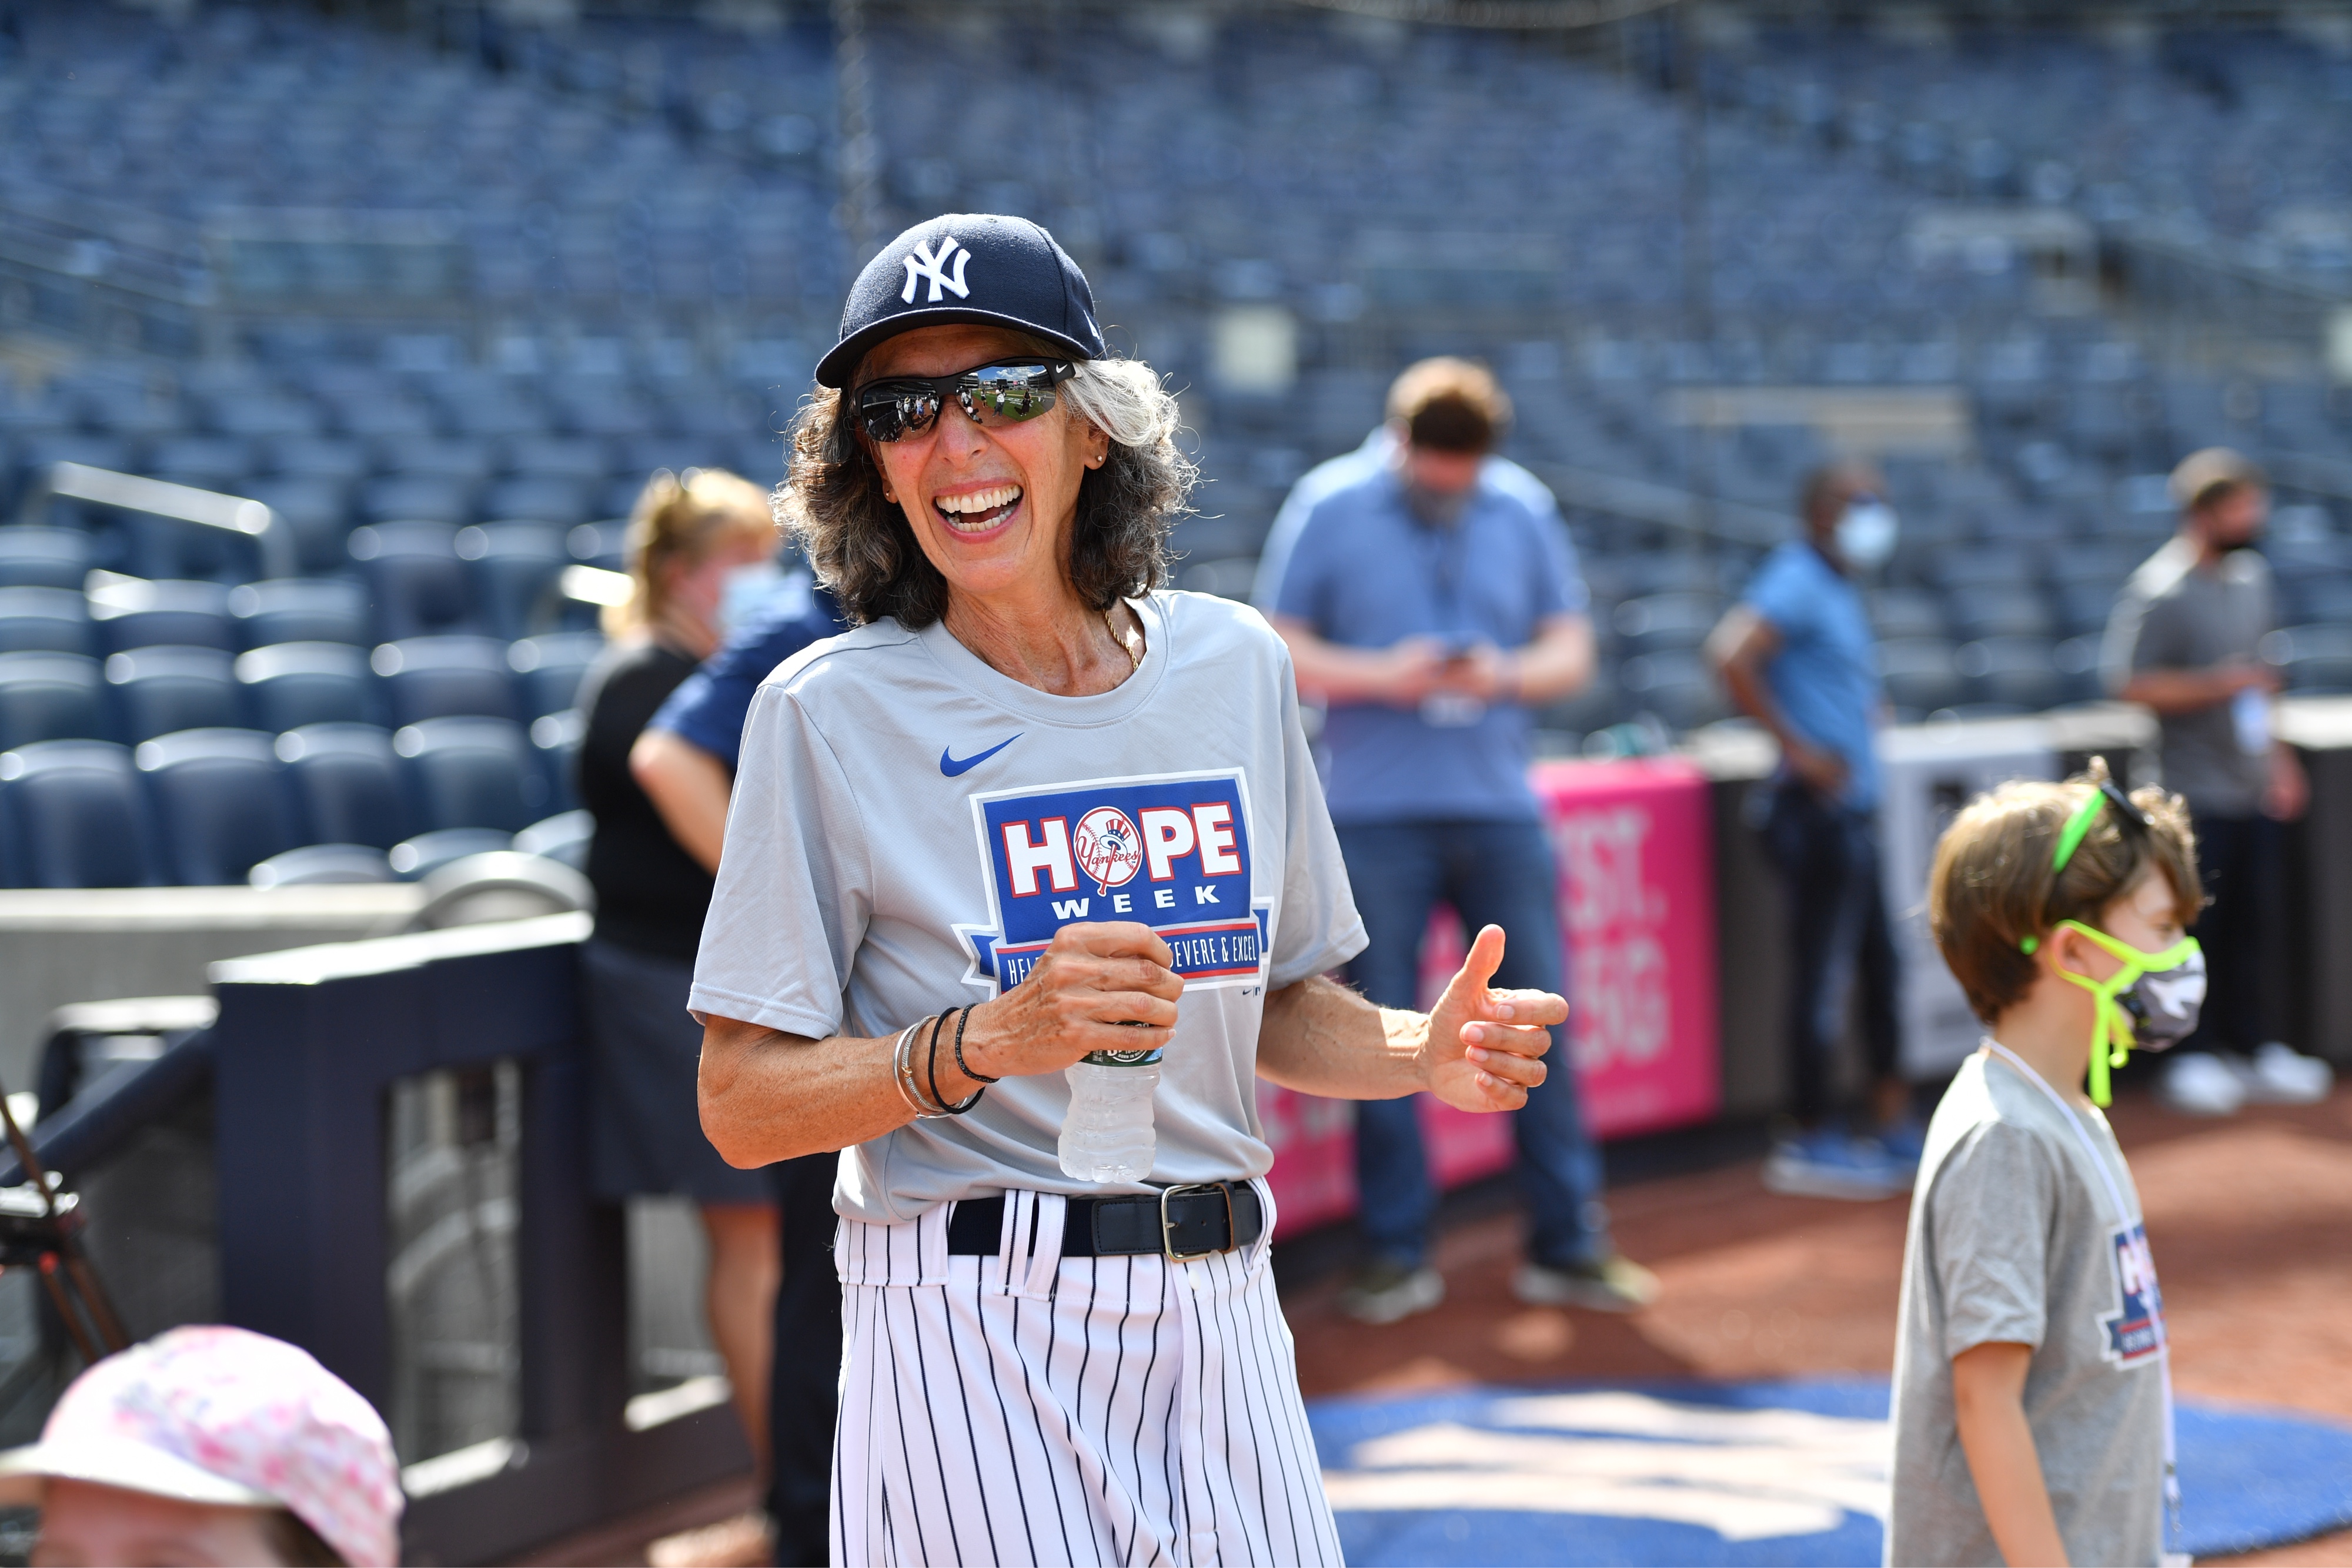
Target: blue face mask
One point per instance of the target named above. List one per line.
(1866, 532)
(746, 592)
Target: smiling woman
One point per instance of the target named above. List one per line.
(1037, 824)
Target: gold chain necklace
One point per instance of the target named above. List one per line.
(1134, 659)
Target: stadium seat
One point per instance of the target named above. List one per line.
(547, 498)
(555, 739)
(1676, 685)
(513, 567)
(1990, 610)
(299, 610)
(346, 784)
(291, 684)
(50, 696)
(603, 544)
(139, 612)
(471, 772)
(562, 837)
(575, 458)
(418, 497)
(315, 863)
(1905, 612)
(415, 859)
(218, 803)
(2012, 672)
(72, 816)
(417, 584)
(318, 509)
(1919, 675)
(2085, 606)
(217, 463)
(161, 689)
(2314, 659)
(44, 558)
(46, 619)
(1665, 622)
(550, 667)
(315, 457)
(441, 677)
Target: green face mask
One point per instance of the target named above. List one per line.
(2152, 1002)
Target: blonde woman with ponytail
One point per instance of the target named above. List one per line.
(699, 544)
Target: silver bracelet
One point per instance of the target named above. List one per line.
(902, 1067)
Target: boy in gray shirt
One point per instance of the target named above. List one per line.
(2033, 1420)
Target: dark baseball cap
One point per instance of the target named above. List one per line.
(966, 267)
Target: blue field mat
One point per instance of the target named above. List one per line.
(1790, 1472)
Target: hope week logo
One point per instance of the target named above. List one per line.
(1170, 851)
(2134, 1332)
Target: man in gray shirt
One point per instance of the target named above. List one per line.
(2184, 640)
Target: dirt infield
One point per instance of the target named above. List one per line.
(2251, 1220)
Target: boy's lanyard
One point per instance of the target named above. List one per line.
(2122, 1215)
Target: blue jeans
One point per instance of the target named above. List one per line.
(1493, 874)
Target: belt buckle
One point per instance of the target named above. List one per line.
(1167, 1226)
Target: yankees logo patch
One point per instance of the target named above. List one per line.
(932, 264)
(1172, 850)
(2134, 1332)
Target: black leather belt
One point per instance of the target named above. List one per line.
(1180, 1222)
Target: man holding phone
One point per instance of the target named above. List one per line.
(1429, 594)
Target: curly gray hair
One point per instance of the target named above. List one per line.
(863, 549)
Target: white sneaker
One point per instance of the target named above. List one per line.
(2199, 1084)
(2279, 1075)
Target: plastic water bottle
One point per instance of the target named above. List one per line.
(1107, 1136)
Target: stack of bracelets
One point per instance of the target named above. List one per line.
(931, 1104)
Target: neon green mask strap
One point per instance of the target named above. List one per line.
(2111, 1034)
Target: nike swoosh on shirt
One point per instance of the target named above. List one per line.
(954, 766)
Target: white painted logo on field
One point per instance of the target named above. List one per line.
(1747, 1475)
(932, 265)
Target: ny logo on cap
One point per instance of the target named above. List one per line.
(932, 264)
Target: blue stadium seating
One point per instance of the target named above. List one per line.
(316, 863)
(291, 684)
(161, 689)
(415, 859)
(555, 739)
(441, 677)
(564, 837)
(514, 567)
(138, 612)
(44, 558)
(218, 802)
(50, 696)
(417, 585)
(346, 784)
(550, 668)
(49, 620)
(72, 815)
(471, 772)
(299, 610)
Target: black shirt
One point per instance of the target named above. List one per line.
(651, 896)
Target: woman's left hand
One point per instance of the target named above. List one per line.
(1485, 1046)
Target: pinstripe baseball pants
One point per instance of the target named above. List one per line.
(1025, 1408)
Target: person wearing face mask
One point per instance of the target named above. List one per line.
(1798, 656)
(701, 547)
(2184, 640)
(2032, 1412)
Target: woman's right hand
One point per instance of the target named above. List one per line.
(1099, 985)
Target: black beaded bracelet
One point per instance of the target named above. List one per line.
(967, 1072)
(932, 1067)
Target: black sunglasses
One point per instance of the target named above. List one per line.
(1004, 391)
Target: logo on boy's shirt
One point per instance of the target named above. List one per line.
(2135, 1333)
(1170, 850)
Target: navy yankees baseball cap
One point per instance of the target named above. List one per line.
(966, 266)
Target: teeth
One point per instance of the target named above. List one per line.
(981, 500)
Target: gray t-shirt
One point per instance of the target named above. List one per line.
(909, 828)
(2014, 1239)
(2171, 616)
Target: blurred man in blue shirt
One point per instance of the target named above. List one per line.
(1798, 657)
(1430, 596)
